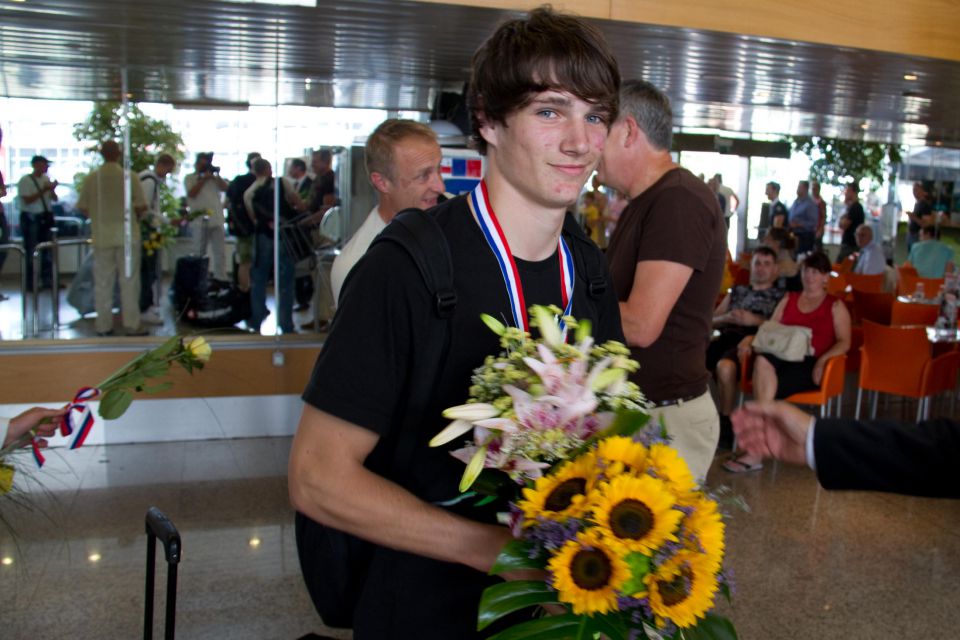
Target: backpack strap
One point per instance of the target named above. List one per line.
(422, 238)
(588, 258)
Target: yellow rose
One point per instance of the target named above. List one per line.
(199, 349)
(6, 478)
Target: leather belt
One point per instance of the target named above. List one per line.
(673, 401)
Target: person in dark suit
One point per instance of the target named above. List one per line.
(876, 455)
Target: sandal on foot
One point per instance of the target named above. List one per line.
(736, 466)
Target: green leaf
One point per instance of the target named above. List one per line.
(163, 386)
(485, 501)
(516, 555)
(549, 628)
(154, 369)
(166, 348)
(506, 597)
(115, 403)
(639, 567)
(712, 627)
(612, 626)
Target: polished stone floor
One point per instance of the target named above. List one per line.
(808, 563)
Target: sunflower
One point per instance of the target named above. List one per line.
(682, 589)
(561, 494)
(703, 530)
(621, 454)
(665, 463)
(636, 511)
(588, 573)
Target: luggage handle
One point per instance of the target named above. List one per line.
(159, 526)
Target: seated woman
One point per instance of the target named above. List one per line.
(829, 321)
(784, 243)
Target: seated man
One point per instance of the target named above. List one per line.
(738, 315)
(870, 260)
(930, 257)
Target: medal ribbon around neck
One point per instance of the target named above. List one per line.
(490, 226)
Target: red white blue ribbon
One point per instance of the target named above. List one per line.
(493, 233)
(70, 423)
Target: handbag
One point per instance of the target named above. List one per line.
(787, 342)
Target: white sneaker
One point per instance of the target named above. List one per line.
(150, 316)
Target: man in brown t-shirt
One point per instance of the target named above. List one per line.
(666, 258)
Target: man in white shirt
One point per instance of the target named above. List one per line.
(871, 260)
(37, 195)
(150, 180)
(403, 165)
(204, 188)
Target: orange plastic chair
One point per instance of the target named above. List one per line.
(908, 284)
(907, 270)
(875, 307)
(831, 388)
(906, 313)
(837, 285)
(845, 266)
(860, 282)
(853, 353)
(897, 360)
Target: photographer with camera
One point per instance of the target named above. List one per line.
(204, 188)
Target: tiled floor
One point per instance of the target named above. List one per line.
(808, 563)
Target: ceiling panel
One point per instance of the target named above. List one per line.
(398, 55)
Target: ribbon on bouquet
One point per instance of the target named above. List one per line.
(70, 423)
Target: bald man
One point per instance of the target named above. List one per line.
(102, 200)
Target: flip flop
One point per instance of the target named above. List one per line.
(736, 466)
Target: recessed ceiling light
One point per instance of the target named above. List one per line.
(94, 557)
(7, 560)
(865, 125)
(254, 543)
(909, 76)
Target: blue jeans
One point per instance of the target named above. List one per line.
(35, 228)
(262, 269)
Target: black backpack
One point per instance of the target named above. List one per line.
(335, 564)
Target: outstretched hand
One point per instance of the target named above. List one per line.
(772, 430)
(45, 421)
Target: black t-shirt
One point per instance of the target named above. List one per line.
(921, 209)
(856, 217)
(238, 221)
(375, 352)
(263, 206)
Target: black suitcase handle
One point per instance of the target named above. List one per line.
(158, 526)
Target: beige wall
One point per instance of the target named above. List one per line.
(922, 28)
(55, 377)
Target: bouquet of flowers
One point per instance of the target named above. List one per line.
(157, 233)
(607, 510)
(116, 394)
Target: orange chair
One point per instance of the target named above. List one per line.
(831, 388)
(837, 285)
(845, 266)
(905, 313)
(907, 269)
(853, 353)
(897, 360)
(875, 307)
(860, 282)
(908, 284)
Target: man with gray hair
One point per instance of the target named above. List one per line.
(403, 165)
(666, 258)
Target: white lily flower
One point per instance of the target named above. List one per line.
(472, 412)
(452, 431)
(498, 424)
(473, 469)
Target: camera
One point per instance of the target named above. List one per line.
(212, 169)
